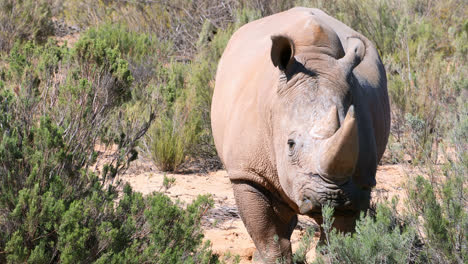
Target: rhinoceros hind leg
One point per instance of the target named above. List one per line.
(269, 222)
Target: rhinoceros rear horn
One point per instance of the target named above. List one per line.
(355, 52)
(282, 51)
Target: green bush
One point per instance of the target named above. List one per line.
(305, 245)
(22, 20)
(57, 104)
(176, 21)
(136, 57)
(170, 141)
(441, 202)
(144, 52)
(444, 221)
(382, 239)
(170, 135)
(67, 216)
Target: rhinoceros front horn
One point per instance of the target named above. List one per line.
(339, 153)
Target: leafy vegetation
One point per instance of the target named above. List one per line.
(25, 20)
(54, 208)
(433, 231)
(57, 104)
(379, 239)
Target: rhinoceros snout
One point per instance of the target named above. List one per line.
(345, 198)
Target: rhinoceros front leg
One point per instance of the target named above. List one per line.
(269, 222)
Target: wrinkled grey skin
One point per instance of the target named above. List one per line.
(300, 118)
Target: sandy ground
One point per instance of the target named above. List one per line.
(222, 224)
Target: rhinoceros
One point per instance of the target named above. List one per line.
(300, 118)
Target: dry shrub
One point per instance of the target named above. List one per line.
(22, 20)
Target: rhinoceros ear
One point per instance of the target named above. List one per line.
(282, 51)
(355, 52)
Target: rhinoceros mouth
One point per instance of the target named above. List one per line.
(346, 198)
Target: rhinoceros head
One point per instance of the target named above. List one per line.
(315, 127)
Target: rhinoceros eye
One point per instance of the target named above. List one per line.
(291, 144)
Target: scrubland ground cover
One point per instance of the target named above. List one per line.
(141, 76)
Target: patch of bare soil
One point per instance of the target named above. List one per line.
(222, 225)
